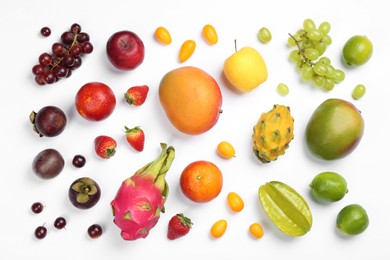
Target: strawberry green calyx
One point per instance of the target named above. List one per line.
(140, 199)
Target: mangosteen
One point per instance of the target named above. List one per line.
(84, 193)
(49, 121)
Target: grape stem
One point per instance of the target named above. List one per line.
(301, 51)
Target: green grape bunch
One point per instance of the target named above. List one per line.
(311, 43)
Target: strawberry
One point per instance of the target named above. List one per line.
(105, 146)
(136, 95)
(135, 137)
(178, 226)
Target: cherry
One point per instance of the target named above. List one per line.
(37, 207)
(78, 161)
(45, 31)
(40, 232)
(95, 231)
(60, 223)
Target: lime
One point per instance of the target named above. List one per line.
(352, 220)
(328, 187)
(357, 50)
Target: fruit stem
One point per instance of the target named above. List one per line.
(235, 45)
(125, 44)
(301, 51)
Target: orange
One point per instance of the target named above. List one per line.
(95, 101)
(201, 181)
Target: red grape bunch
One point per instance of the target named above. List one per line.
(65, 57)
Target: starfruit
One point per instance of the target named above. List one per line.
(286, 208)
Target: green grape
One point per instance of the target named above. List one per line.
(291, 41)
(283, 89)
(308, 25)
(320, 47)
(311, 54)
(324, 60)
(327, 40)
(319, 81)
(307, 73)
(307, 43)
(315, 35)
(338, 76)
(328, 84)
(295, 56)
(264, 35)
(331, 72)
(320, 68)
(324, 27)
(359, 91)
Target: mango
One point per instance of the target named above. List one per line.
(191, 99)
(334, 129)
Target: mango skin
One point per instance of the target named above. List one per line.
(334, 129)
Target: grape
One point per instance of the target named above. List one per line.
(75, 28)
(319, 81)
(82, 37)
(75, 50)
(86, 47)
(338, 76)
(324, 60)
(95, 231)
(327, 40)
(58, 49)
(328, 84)
(264, 35)
(60, 223)
(295, 56)
(67, 37)
(320, 47)
(311, 54)
(40, 232)
(282, 89)
(78, 161)
(308, 25)
(38, 69)
(66, 56)
(291, 41)
(307, 73)
(359, 91)
(45, 59)
(45, 31)
(324, 27)
(311, 43)
(37, 207)
(315, 35)
(320, 69)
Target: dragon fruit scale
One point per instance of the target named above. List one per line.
(273, 133)
(141, 197)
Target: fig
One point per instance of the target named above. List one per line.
(84, 193)
(334, 129)
(49, 121)
(48, 163)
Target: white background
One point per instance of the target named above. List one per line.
(366, 169)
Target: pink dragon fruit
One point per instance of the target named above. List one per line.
(141, 198)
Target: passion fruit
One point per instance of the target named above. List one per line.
(49, 121)
(48, 163)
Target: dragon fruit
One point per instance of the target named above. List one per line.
(141, 197)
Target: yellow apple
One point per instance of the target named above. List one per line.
(245, 69)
